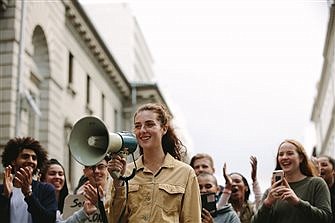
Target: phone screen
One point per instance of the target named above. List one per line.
(209, 203)
(277, 178)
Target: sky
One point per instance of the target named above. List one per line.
(240, 76)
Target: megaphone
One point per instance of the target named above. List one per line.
(90, 141)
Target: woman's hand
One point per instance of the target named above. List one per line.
(253, 162)
(227, 178)
(8, 181)
(273, 194)
(206, 217)
(287, 194)
(117, 164)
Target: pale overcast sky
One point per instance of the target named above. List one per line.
(241, 75)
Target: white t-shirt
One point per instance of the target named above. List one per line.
(19, 208)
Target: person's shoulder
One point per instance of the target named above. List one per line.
(225, 209)
(226, 214)
(316, 182)
(42, 185)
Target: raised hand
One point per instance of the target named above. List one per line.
(91, 198)
(90, 193)
(253, 162)
(8, 181)
(228, 179)
(24, 178)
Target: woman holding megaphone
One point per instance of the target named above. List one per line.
(164, 189)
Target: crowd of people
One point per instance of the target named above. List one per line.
(164, 189)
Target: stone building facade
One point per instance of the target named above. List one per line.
(323, 114)
(54, 69)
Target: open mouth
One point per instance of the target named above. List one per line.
(234, 190)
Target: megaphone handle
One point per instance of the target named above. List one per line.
(117, 174)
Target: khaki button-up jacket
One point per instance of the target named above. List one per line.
(172, 195)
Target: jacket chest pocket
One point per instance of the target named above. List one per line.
(134, 197)
(169, 197)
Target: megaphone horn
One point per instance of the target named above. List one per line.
(90, 141)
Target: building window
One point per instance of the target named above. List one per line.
(68, 165)
(70, 71)
(88, 91)
(103, 106)
(33, 113)
(116, 126)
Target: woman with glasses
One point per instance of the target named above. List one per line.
(164, 189)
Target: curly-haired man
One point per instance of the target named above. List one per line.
(23, 199)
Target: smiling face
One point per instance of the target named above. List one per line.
(288, 158)
(55, 176)
(148, 129)
(207, 183)
(26, 157)
(100, 174)
(327, 171)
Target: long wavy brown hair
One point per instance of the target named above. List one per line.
(306, 166)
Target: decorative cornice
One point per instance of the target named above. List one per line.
(148, 92)
(89, 35)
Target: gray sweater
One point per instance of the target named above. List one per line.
(314, 205)
(226, 215)
(77, 217)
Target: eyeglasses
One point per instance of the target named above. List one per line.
(100, 167)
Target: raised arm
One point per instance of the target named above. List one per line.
(255, 185)
(227, 190)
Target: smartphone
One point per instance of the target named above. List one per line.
(277, 175)
(208, 201)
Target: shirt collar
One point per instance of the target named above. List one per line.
(168, 162)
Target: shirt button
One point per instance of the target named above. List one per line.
(145, 218)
